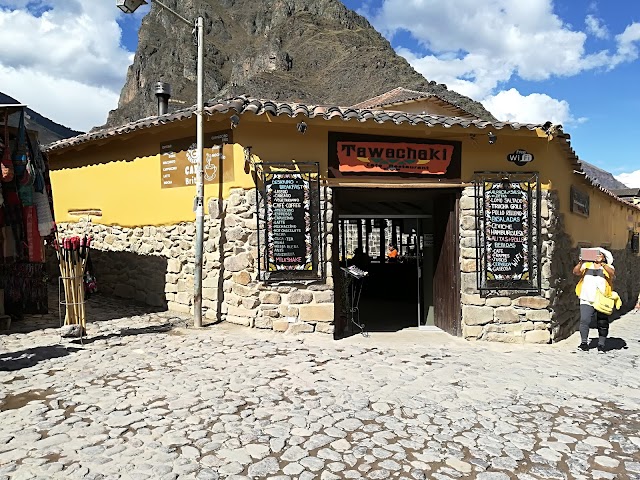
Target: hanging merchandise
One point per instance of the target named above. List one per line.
(6, 165)
(20, 158)
(13, 224)
(26, 218)
(35, 246)
(25, 288)
(24, 172)
(43, 210)
(38, 164)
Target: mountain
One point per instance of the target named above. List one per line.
(48, 130)
(602, 177)
(312, 51)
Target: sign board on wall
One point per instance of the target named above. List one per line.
(289, 222)
(579, 201)
(370, 155)
(394, 157)
(178, 160)
(508, 231)
(520, 157)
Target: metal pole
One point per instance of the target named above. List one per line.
(197, 282)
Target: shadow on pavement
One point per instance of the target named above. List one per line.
(613, 343)
(100, 308)
(126, 332)
(32, 356)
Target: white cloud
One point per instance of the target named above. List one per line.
(631, 179)
(475, 47)
(68, 102)
(510, 105)
(523, 38)
(595, 27)
(63, 58)
(627, 44)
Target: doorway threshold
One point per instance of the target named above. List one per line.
(429, 328)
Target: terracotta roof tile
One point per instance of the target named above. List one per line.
(244, 104)
(403, 95)
(397, 95)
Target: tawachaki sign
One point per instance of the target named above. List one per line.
(358, 156)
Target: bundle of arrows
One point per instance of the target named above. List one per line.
(72, 255)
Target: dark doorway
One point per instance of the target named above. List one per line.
(400, 290)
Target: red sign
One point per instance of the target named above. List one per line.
(394, 157)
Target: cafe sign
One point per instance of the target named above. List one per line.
(381, 157)
(178, 160)
(289, 221)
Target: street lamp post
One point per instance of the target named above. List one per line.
(130, 6)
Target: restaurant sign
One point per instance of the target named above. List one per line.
(508, 233)
(178, 160)
(289, 222)
(371, 156)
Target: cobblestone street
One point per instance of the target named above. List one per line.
(145, 397)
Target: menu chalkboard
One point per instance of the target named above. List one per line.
(288, 222)
(506, 223)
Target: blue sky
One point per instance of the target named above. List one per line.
(569, 61)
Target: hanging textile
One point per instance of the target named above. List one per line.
(13, 224)
(6, 164)
(26, 219)
(38, 164)
(43, 210)
(34, 244)
(25, 288)
(20, 155)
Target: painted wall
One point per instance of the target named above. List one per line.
(122, 176)
(609, 221)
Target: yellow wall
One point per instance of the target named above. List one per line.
(121, 176)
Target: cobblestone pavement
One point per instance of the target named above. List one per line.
(144, 397)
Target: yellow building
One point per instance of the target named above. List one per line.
(487, 218)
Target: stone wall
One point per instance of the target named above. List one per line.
(554, 314)
(155, 266)
(282, 306)
(513, 317)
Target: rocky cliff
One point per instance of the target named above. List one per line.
(312, 51)
(602, 177)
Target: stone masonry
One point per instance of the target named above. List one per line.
(155, 266)
(516, 317)
(503, 316)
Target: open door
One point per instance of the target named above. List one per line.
(446, 278)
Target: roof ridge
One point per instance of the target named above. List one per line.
(258, 106)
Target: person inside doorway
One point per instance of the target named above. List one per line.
(360, 259)
(392, 253)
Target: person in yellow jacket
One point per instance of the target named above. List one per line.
(597, 275)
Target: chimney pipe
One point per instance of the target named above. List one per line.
(163, 94)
